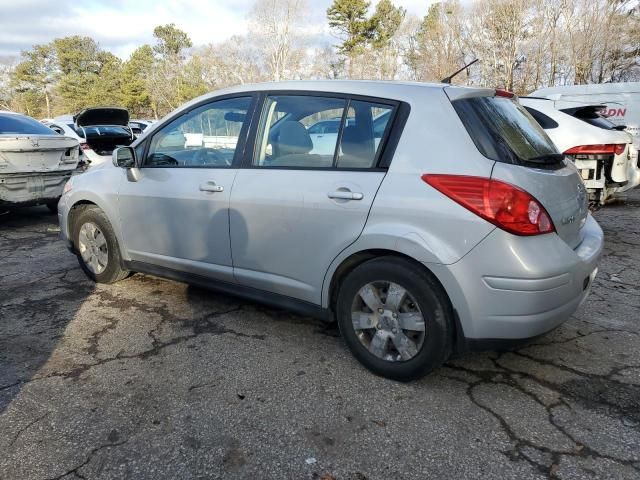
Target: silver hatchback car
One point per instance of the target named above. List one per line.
(432, 219)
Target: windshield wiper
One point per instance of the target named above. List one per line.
(547, 158)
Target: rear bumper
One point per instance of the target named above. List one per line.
(17, 189)
(514, 288)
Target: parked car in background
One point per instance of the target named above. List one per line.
(622, 102)
(600, 151)
(103, 129)
(99, 130)
(35, 162)
(450, 231)
(139, 126)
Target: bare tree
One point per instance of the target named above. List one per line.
(276, 26)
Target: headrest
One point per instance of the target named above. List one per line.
(293, 139)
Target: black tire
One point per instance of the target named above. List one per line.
(113, 271)
(430, 298)
(53, 206)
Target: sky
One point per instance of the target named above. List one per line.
(122, 25)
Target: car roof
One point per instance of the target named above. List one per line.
(390, 89)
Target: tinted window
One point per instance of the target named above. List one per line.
(107, 131)
(204, 137)
(362, 136)
(14, 124)
(504, 131)
(591, 116)
(57, 129)
(543, 120)
(284, 138)
(78, 131)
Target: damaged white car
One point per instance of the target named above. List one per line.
(35, 162)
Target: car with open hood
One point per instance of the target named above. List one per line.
(35, 161)
(103, 129)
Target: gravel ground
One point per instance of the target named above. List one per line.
(152, 379)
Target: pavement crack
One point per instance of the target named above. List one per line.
(27, 427)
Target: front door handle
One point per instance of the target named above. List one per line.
(211, 187)
(345, 195)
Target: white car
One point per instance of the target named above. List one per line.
(138, 126)
(99, 130)
(622, 101)
(599, 150)
(35, 162)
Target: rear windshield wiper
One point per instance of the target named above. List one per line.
(547, 158)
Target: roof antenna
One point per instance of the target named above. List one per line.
(448, 79)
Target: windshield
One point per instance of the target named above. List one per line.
(504, 131)
(13, 124)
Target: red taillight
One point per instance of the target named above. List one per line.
(504, 93)
(604, 149)
(500, 203)
(85, 146)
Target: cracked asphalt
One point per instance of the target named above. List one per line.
(152, 379)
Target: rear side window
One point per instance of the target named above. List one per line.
(505, 132)
(543, 120)
(14, 124)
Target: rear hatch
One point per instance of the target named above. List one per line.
(526, 157)
(104, 128)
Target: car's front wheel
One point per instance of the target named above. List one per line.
(97, 247)
(395, 318)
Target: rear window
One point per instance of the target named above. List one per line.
(504, 131)
(13, 124)
(110, 131)
(591, 116)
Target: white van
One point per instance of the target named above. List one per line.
(622, 102)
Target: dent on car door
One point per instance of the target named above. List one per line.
(175, 212)
(300, 203)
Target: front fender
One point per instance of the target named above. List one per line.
(99, 187)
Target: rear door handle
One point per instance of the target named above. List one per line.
(345, 195)
(211, 187)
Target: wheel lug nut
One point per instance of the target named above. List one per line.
(380, 310)
(394, 330)
(395, 315)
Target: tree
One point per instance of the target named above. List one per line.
(277, 29)
(437, 48)
(136, 96)
(165, 81)
(34, 77)
(348, 19)
(385, 25)
(171, 41)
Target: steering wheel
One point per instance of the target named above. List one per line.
(203, 155)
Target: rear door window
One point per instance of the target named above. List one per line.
(504, 131)
(300, 131)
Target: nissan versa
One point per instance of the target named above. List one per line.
(435, 220)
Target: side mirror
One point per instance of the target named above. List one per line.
(124, 157)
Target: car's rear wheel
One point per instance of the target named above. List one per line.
(97, 247)
(395, 318)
